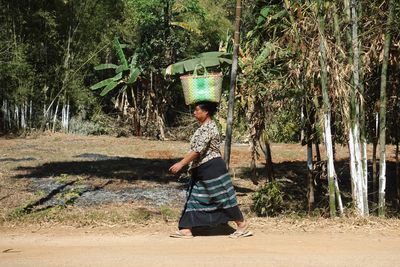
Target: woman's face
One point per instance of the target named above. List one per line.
(201, 115)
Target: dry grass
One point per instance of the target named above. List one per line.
(41, 155)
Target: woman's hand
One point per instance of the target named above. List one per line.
(176, 167)
(185, 161)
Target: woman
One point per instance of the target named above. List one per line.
(211, 197)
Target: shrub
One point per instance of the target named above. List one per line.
(268, 200)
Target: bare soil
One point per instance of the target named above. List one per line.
(42, 226)
(151, 246)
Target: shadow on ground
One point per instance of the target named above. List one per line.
(217, 230)
(100, 166)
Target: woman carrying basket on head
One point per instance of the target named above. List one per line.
(211, 197)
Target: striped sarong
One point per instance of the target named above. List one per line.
(211, 197)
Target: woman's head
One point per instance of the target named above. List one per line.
(203, 110)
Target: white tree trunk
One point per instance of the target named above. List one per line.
(4, 110)
(364, 161)
(30, 114)
(329, 155)
(16, 116)
(360, 192)
(67, 118)
(338, 197)
(356, 169)
(382, 112)
(9, 117)
(55, 118)
(23, 116)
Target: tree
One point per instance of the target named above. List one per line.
(382, 113)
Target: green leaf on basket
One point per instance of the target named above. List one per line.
(225, 60)
(191, 64)
(210, 61)
(213, 54)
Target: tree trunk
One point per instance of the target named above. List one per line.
(310, 177)
(254, 129)
(55, 117)
(30, 114)
(327, 112)
(24, 110)
(308, 114)
(397, 140)
(4, 109)
(374, 161)
(136, 115)
(356, 146)
(228, 139)
(382, 115)
(266, 147)
(397, 172)
(317, 151)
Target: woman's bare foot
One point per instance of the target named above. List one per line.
(241, 226)
(187, 232)
(183, 233)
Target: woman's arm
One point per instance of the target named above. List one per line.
(185, 161)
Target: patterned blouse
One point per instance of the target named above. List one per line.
(206, 141)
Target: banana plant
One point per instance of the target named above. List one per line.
(125, 73)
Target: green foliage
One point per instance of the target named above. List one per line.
(98, 125)
(268, 200)
(122, 76)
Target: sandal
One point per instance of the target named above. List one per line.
(178, 234)
(238, 234)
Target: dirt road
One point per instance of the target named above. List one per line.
(96, 248)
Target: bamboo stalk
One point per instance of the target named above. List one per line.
(382, 114)
(397, 171)
(228, 139)
(374, 160)
(310, 177)
(55, 117)
(327, 112)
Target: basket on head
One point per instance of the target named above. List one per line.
(198, 88)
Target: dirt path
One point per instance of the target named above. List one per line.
(98, 248)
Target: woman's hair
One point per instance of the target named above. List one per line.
(210, 107)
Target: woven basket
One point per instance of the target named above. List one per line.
(198, 88)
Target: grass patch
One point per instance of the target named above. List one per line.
(168, 214)
(99, 215)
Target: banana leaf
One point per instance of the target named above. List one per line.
(133, 61)
(176, 68)
(117, 77)
(215, 54)
(121, 68)
(208, 59)
(120, 52)
(134, 75)
(101, 84)
(265, 11)
(226, 60)
(105, 66)
(109, 87)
